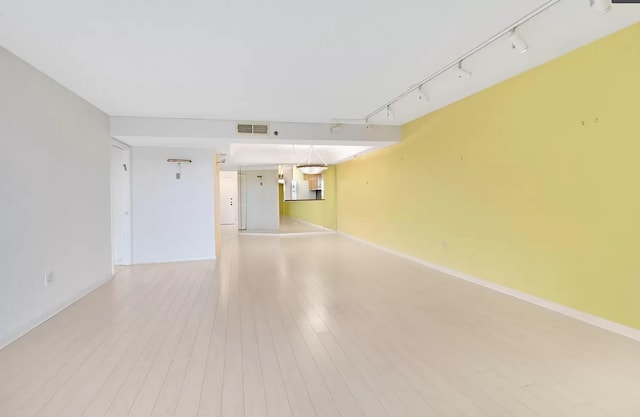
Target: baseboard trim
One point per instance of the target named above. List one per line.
(173, 261)
(295, 234)
(302, 234)
(15, 335)
(600, 322)
(323, 231)
(313, 224)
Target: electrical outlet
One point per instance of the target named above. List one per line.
(48, 278)
(444, 244)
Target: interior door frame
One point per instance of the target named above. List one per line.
(242, 201)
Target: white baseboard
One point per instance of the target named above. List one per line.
(172, 261)
(17, 334)
(294, 234)
(300, 234)
(611, 326)
(323, 231)
(313, 224)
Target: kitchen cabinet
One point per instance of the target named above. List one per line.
(315, 181)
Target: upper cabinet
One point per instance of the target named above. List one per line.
(315, 181)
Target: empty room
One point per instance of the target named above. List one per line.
(319, 209)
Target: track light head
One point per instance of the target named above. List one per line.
(600, 6)
(422, 95)
(517, 42)
(389, 112)
(461, 73)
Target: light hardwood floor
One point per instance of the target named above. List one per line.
(287, 226)
(312, 326)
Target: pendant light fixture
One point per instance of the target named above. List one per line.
(310, 168)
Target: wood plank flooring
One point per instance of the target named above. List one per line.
(312, 326)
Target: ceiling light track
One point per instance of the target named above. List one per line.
(457, 63)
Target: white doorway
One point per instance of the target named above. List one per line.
(121, 205)
(228, 197)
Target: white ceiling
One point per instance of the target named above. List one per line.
(283, 60)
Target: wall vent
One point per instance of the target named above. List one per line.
(254, 129)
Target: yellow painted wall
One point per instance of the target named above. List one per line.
(281, 199)
(320, 212)
(533, 183)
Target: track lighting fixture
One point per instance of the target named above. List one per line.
(517, 42)
(422, 95)
(600, 6)
(460, 72)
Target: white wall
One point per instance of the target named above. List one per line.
(54, 197)
(173, 220)
(262, 200)
(121, 203)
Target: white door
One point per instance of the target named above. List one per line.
(121, 205)
(228, 197)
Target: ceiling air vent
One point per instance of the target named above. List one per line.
(257, 129)
(260, 129)
(243, 128)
